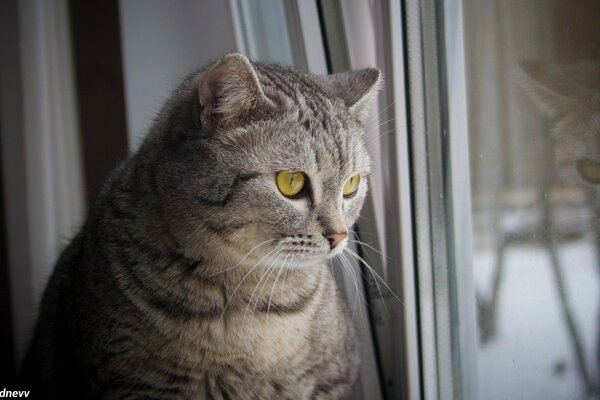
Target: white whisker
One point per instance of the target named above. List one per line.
(240, 283)
(381, 112)
(242, 260)
(276, 280)
(374, 273)
(386, 122)
(370, 247)
(373, 138)
(348, 267)
(342, 263)
(264, 274)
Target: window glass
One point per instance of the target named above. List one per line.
(533, 106)
(264, 30)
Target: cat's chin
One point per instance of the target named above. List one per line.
(305, 260)
(339, 249)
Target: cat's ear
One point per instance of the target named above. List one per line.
(548, 97)
(230, 92)
(357, 89)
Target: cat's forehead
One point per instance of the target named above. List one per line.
(284, 144)
(310, 129)
(301, 93)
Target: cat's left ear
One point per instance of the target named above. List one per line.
(357, 89)
(539, 81)
(230, 92)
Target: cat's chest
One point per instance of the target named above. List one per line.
(266, 340)
(262, 341)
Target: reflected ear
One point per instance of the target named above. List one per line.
(229, 92)
(357, 89)
(532, 78)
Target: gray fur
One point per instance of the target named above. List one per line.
(569, 96)
(193, 277)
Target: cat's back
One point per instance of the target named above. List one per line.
(48, 365)
(68, 307)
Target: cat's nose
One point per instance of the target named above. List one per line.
(335, 238)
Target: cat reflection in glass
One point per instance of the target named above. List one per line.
(568, 95)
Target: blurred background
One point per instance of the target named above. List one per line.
(478, 274)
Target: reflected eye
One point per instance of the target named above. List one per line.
(351, 186)
(290, 183)
(589, 170)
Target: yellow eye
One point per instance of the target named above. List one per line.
(351, 186)
(290, 183)
(589, 170)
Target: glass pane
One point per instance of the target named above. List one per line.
(265, 32)
(533, 80)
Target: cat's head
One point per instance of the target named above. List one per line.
(262, 163)
(569, 96)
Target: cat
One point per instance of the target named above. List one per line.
(568, 95)
(201, 271)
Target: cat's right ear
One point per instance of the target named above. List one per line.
(229, 92)
(357, 89)
(530, 76)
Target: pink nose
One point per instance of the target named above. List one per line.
(335, 238)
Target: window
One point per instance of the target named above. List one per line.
(506, 143)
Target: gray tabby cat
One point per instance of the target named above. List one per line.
(201, 272)
(569, 97)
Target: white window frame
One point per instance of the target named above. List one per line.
(437, 93)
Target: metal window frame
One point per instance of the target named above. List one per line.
(252, 35)
(459, 202)
(304, 29)
(410, 363)
(437, 93)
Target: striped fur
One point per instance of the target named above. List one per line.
(193, 277)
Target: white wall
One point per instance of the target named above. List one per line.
(162, 42)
